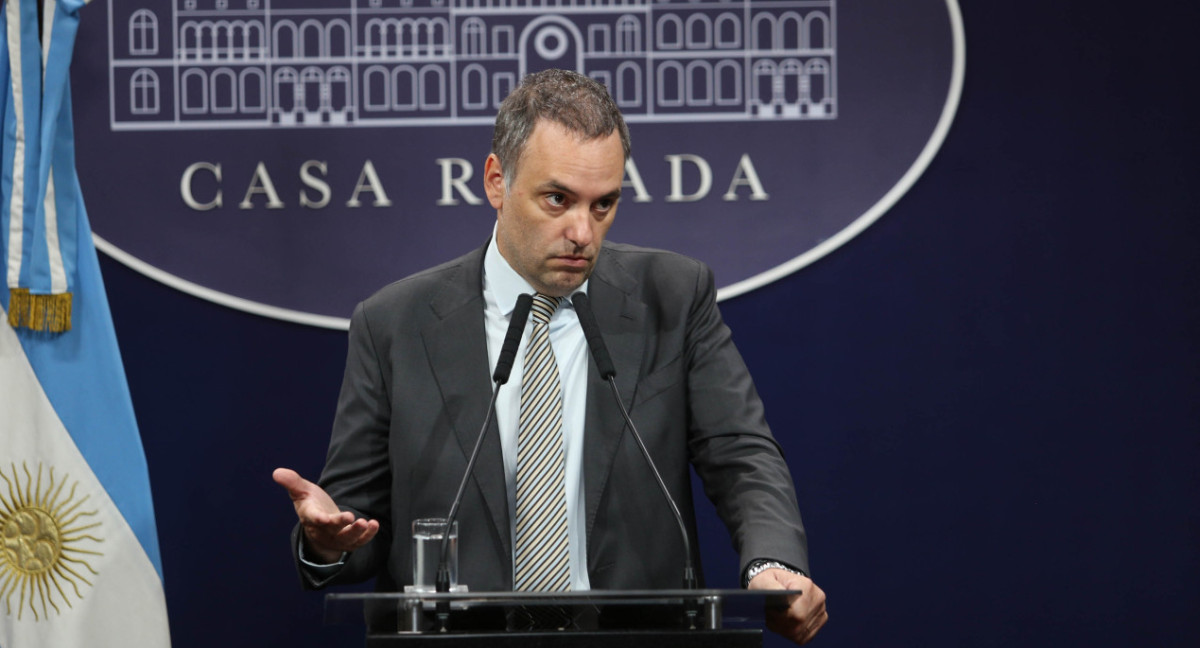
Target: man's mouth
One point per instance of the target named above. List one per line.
(572, 261)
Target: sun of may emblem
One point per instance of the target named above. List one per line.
(42, 528)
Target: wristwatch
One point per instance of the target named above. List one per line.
(759, 566)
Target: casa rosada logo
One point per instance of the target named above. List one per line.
(290, 157)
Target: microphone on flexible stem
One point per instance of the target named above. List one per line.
(604, 364)
(508, 352)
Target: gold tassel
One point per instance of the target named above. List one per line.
(44, 313)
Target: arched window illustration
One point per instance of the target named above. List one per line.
(502, 85)
(252, 40)
(207, 48)
(284, 38)
(728, 31)
(629, 85)
(762, 31)
(194, 85)
(474, 36)
(422, 37)
(189, 41)
(404, 38)
(764, 82)
(374, 37)
(629, 35)
(253, 95)
(406, 87)
(143, 33)
(143, 92)
(286, 83)
(222, 49)
(699, 32)
(599, 39)
(224, 91)
(795, 88)
(337, 38)
(818, 31)
(441, 37)
(728, 79)
(503, 39)
(817, 73)
(699, 83)
(791, 32)
(312, 40)
(670, 84)
(433, 88)
(312, 82)
(670, 32)
(377, 88)
(437, 39)
(337, 83)
(238, 40)
(474, 86)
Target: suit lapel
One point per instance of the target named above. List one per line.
(621, 318)
(457, 347)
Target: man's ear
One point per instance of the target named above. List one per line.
(493, 181)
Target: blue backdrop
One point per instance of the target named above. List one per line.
(989, 399)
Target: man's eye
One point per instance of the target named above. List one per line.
(604, 205)
(556, 199)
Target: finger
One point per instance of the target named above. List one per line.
(330, 537)
(812, 628)
(292, 481)
(811, 616)
(332, 522)
(372, 529)
(357, 534)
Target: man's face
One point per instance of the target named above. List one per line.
(561, 204)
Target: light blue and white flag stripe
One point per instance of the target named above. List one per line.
(79, 558)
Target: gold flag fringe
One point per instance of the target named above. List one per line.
(46, 313)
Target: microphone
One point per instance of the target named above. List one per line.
(604, 364)
(504, 365)
(591, 333)
(512, 339)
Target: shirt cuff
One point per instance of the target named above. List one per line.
(319, 569)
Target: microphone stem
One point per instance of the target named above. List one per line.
(689, 569)
(443, 554)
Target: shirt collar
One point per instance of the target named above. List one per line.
(505, 283)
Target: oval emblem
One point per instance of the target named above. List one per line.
(291, 160)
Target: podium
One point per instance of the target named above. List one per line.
(703, 618)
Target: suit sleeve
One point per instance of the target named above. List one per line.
(356, 473)
(731, 446)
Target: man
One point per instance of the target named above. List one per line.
(416, 390)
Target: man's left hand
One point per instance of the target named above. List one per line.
(805, 613)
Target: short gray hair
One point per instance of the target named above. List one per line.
(582, 105)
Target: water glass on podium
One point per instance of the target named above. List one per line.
(427, 545)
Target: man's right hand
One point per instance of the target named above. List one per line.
(329, 531)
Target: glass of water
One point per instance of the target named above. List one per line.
(427, 546)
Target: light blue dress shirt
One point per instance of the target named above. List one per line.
(501, 286)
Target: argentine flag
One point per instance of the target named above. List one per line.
(79, 561)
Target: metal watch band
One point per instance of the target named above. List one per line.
(759, 566)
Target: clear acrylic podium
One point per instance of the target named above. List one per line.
(635, 618)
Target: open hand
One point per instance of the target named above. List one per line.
(329, 531)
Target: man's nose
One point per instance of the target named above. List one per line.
(579, 227)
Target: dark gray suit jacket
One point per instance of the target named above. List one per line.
(415, 393)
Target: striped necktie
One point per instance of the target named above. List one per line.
(542, 553)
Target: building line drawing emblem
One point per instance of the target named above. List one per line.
(42, 533)
(231, 64)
